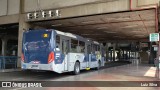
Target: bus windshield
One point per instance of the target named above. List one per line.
(35, 46)
(36, 41)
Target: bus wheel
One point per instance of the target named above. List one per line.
(76, 68)
(99, 65)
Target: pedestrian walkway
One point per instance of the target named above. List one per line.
(9, 70)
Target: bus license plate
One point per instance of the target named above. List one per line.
(34, 66)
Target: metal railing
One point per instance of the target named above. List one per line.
(8, 61)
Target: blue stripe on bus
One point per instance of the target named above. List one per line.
(59, 58)
(93, 57)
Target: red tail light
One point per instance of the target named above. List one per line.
(51, 57)
(22, 57)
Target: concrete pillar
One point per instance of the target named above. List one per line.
(123, 54)
(135, 55)
(126, 55)
(111, 55)
(119, 55)
(107, 51)
(158, 62)
(129, 55)
(152, 54)
(22, 26)
(4, 46)
(114, 51)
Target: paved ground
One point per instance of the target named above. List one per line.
(125, 72)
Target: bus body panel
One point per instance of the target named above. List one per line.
(73, 57)
(36, 47)
(30, 66)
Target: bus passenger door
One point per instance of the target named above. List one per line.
(65, 50)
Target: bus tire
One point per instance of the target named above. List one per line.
(76, 68)
(99, 65)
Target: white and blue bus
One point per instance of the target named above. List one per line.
(60, 52)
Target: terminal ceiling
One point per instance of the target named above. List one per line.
(133, 25)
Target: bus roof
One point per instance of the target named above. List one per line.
(70, 35)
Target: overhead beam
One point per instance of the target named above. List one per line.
(10, 19)
(124, 41)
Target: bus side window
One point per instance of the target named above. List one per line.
(89, 49)
(94, 48)
(82, 47)
(57, 43)
(98, 48)
(74, 45)
(65, 46)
